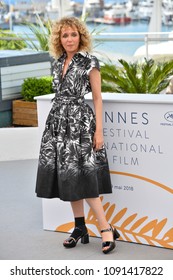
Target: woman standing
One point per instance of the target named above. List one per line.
(73, 164)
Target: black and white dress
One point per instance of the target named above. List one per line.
(68, 167)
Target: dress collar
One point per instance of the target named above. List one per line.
(63, 56)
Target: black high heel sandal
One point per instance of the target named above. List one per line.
(80, 232)
(110, 244)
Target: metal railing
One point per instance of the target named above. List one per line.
(146, 37)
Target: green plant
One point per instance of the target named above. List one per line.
(41, 32)
(12, 42)
(32, 87)
(146, 77)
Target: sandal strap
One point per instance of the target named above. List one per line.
(70, 239)
(106, 230)
(107, 243)
(78, 228)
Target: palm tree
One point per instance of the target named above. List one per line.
(41, 32)
(135, 77)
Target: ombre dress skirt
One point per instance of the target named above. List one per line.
(69, 168)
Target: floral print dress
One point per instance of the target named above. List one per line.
(69, 168)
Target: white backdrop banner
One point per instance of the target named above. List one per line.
(138, 134)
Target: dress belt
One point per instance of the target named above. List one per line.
(68, 100)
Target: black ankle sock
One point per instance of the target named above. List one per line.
(79, 221)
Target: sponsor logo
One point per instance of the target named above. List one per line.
(169, 116)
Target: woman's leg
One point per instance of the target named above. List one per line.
(78, 208)
(97, 207)
(80, 229)
(78, 212)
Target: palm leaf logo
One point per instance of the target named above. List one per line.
(131, 227)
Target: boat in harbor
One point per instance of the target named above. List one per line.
(116, 14)
(112, 18)
(145, 9)
(167, 17)
(167, 12)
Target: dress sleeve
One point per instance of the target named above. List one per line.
(94, 63)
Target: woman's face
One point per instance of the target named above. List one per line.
(70, 39)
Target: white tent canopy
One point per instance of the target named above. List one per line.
(157, 50)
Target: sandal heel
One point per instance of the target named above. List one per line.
(116, 234)
(85, 239)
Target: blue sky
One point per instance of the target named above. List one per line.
(80, 1)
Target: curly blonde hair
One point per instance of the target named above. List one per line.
(55, 47)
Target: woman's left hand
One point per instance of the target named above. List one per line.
(98, 141)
